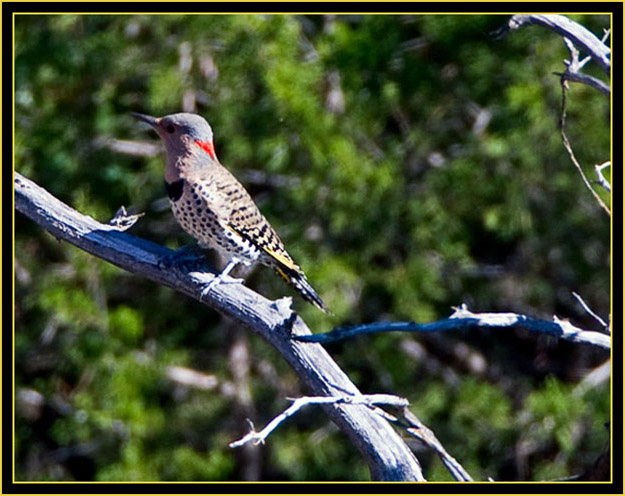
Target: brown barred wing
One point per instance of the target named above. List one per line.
(265, 238)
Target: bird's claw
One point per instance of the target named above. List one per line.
(220, 279)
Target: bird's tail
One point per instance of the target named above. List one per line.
(297, 279)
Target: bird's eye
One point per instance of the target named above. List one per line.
(170, 129)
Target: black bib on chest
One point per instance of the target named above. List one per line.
(174, 190)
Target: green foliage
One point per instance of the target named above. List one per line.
(442, 180)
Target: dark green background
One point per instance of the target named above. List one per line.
(442, 180)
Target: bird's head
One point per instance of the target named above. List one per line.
(181, 131)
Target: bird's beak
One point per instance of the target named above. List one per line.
(148, 119)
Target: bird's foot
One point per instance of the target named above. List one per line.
(218, 279)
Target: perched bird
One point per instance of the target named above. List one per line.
(213, 207)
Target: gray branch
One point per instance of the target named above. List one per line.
(567, 28)
(578, 77)
(602, 180)
(258, 437)
(462, 318)
(398, 414)
(386, 454)
(401, 416)
(581, 301)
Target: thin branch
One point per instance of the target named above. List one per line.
(578, 77)
(399, 415)
(123, 221)
(298, 403)
(574, 66)
(569, 149)
(567, 28)
(408, 421)
(386, 454)
(590, 312)
(588, 58)
(462, 318)
(573, 34)
(602, 180)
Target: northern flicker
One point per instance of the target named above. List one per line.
(212, 206)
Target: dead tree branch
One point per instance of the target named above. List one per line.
(602, 180)
(578, 77)
(462, 318)
(569, 149)
(566, 28)
(386, 454)
(402, 417)
(575, 37)
(589, 311)
(258, 437)
(398, 414)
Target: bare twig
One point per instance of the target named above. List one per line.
(569, 149)
(574, 35)
(574, 66)
(123, 220)
(602, 180)
(572, 73)
(590, 312)
(462, 318)
(298, 403)
(387, 455)
(567, 28)
(404, 418)
(578, 77)
(399, 415)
